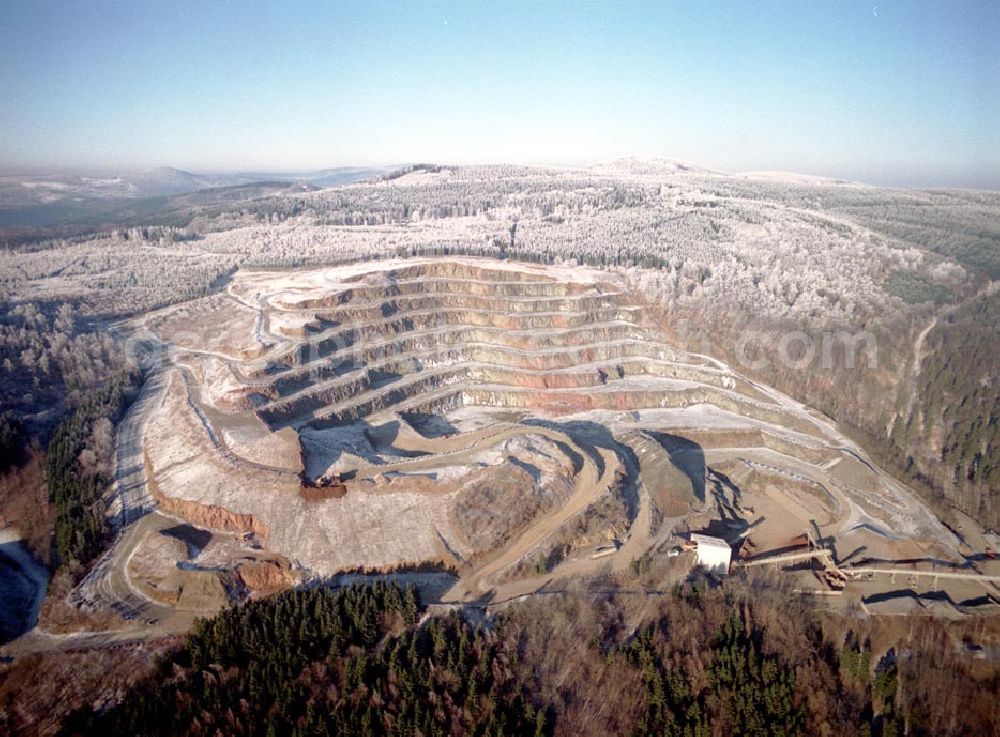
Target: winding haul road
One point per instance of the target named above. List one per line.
(135, 515)
(590, 485)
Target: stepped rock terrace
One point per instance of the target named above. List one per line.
(497, 420)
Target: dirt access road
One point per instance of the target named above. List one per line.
(590, 486)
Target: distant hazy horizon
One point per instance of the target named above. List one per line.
(42, 170)
(888, 93)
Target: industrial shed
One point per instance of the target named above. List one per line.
(712, 552)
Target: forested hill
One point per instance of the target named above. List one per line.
(364, 661)
(316, 662)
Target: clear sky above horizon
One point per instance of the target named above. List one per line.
(894, 92)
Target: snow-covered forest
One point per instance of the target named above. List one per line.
(721, 255)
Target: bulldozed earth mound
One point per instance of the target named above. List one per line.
(470, 414)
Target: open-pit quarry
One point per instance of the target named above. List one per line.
(493, 427)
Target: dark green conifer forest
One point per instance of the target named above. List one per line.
(74, 490)
(370, 660)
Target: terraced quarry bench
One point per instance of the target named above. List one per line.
(499, 420)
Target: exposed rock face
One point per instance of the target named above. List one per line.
(203, 515)
(212, 517)
(675, 481)
(320, 491)
(450, 406)
(265, 577)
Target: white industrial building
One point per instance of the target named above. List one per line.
(712, 552)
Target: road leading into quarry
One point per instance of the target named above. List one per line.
(135, 516)
(590, 486)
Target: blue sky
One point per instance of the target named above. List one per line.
(889, 92)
